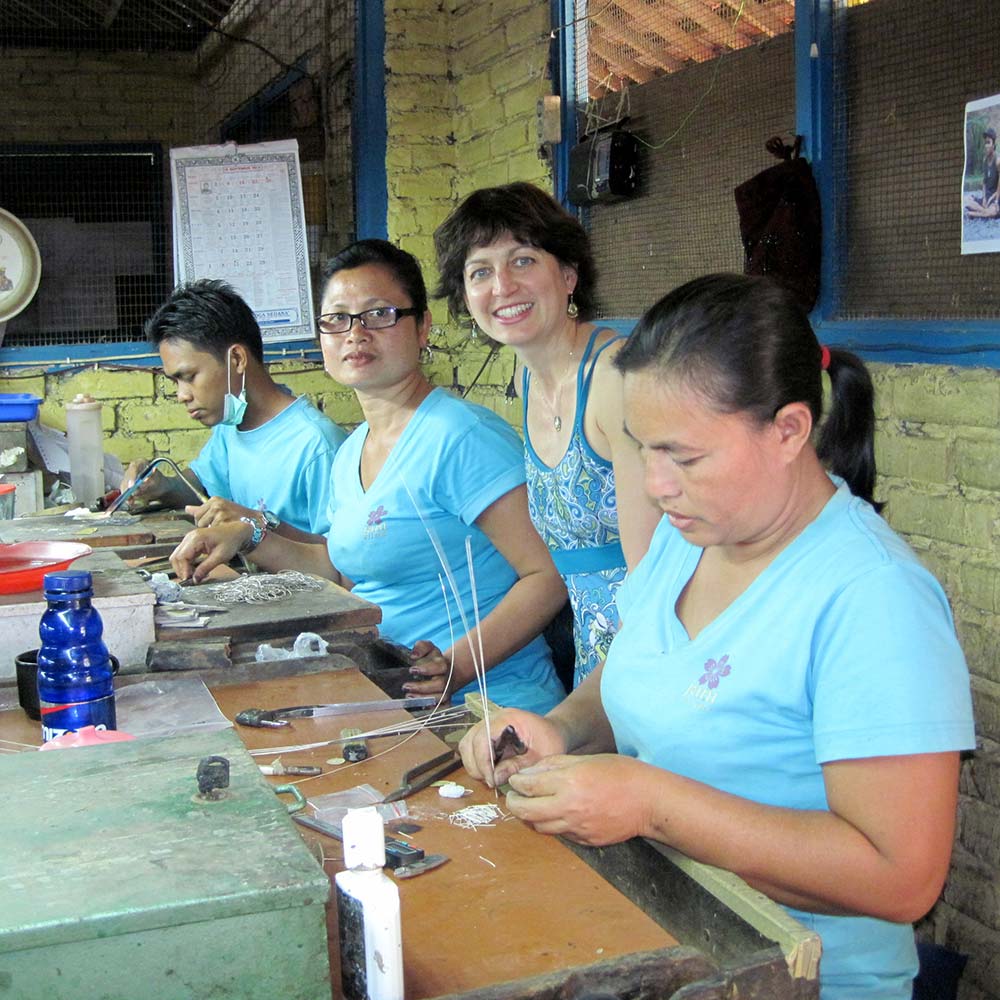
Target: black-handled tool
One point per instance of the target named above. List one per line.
(425, 774)
(274, 718)
(397, 852)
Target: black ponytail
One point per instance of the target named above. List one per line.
(746, 344)
(846, 442)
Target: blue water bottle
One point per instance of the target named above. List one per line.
(75, 687)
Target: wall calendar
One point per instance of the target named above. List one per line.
(238, 215)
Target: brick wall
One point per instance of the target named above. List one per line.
(461, 92)
(50, 97)
(463, 81)
(141, 416)
(938, 453)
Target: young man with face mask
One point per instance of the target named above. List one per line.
(269, 455)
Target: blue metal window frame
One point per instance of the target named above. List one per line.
(563, 13)
(126, 352)
(955, 342)
(369, 127)
(369, 137)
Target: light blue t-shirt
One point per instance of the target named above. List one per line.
(842, 648)
(452, 461)
(282, 466)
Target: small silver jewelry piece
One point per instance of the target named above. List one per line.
(557, 422)
(426, 355)
(263, 587)
(572, 309)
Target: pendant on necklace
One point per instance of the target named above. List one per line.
(557, 422)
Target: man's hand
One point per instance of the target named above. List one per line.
(219, 511)
(153, 487)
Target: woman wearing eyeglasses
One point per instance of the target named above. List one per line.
(424, 474)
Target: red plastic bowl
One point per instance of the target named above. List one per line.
(24, 564)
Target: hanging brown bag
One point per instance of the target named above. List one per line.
(780, 225)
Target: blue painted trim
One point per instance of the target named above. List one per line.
(139, 353)
(814, 115)
(953, 342)
(564, 57)
(369, 128)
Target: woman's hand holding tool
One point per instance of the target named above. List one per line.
(538, 736)
(594, 800)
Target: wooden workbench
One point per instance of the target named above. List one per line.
(164, 529)
(518, 914)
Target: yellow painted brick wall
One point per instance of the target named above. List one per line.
(49, 97)
(462, 86)
(141, 416)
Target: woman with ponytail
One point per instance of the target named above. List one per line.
(786, 697)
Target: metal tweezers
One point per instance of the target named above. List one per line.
(425, 774)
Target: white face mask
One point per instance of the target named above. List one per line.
(233, 407)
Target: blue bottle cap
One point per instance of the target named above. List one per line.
(68, 581)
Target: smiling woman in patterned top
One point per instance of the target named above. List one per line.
(521, 265)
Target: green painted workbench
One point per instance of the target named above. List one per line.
(118, 882)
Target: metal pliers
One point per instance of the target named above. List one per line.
(425, 774)
(277, 718)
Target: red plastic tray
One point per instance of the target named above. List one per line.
(24, 564)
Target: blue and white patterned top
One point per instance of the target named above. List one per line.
(573, 507)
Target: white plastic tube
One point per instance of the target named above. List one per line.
(86, 449)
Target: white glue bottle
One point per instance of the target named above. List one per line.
(371, 944)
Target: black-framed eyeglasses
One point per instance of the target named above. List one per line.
(380, 318)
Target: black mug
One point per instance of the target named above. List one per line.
(27, 681)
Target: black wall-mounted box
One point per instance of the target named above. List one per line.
(604, 167)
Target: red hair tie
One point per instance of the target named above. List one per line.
(824, 357)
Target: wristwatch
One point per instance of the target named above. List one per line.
(257, 536)
(270, 519)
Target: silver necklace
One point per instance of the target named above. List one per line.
(556, 406)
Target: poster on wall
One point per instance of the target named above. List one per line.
(238, 216)
(980, 177)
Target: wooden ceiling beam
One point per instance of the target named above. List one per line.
(773, 18)
(718, 31)
(658, 58)
(679, 43)
(598, 74)
(63, 11)
(33, 14)
(621, 63)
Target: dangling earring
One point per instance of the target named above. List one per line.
(510, 393)
(426, 355)
(572, 310)
(473, 329)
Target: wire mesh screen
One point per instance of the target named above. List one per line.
(702, 85)
(98, 91)
(905, 70)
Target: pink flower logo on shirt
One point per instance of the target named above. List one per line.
(714, 669)
(375, 517)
